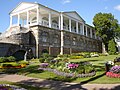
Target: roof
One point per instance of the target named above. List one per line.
(76, 14)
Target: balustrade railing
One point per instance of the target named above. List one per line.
(45, 23)
(55, 25)
(65, 28)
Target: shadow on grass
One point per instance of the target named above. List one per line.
(52, 85)
(60, 85)
(28, 87)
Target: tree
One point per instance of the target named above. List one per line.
(106, 27)
(112, 47)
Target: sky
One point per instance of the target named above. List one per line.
(85, 8)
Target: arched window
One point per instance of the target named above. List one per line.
(67, 40)
(45, 37)
(56, 38)
(74, 41)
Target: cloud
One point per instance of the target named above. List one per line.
(66, 1)
(117, 7)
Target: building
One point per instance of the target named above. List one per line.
(43, 29)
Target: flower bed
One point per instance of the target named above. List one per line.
(6, 65)
(10, 87)
(114, 72)
(68, 74)
(112, 75)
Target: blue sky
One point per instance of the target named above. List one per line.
(86, 8)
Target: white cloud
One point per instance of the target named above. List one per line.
(117, 7)
(65, 1)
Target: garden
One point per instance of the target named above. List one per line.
(82, 67)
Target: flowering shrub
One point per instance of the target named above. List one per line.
(70, 66)
(115, 69)
(112, 75)
(44, 65)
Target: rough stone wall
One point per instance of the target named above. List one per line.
(41, 39)
(50, 40)
(80, 43)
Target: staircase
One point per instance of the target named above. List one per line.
(12, 36)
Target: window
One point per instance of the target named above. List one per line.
(74, 41)
(67, 40)
(44, 37)
(56, 38)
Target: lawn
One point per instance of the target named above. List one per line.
(98, 63)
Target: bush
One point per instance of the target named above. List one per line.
(11, 59)
(42, 60)
(45, 57)
(9, 65)
(88, 68)
(112, 47)
(24, 62)
(3, 59)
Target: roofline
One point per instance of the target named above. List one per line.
(36, 4)
(74, 12)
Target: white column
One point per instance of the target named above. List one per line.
(86, 31)
(69, 24)
(37, 15)
(83, 29)
(61, 21)
(10, 20)
(76, 26)
(40, 19)
(62, 43)
(27, 23)
(50, 20)
(18, 20)
(91, 33)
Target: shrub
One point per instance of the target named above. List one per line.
(3, 59)
(112, 47)
(24, 62)
(42, 60)
(9, 65)
(115, 69)
(88, 68)
(11, 59)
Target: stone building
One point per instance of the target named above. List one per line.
(43, 29)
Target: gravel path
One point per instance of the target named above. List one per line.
(56, 85)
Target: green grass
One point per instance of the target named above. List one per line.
(98, 63)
